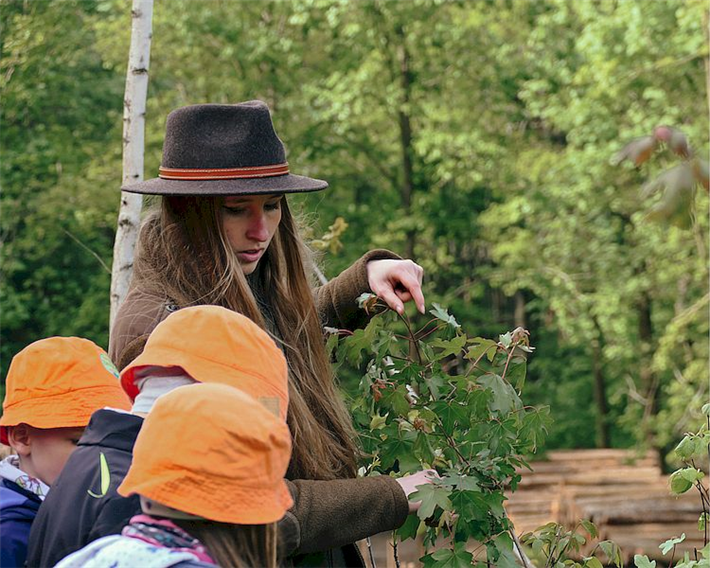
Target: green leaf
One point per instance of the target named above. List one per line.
(504, 397)
(451, 414)
(612, 552)
(686, 448)
(667, 546)
(361, 340)
(434, 384)
(431, 496)
(399, 448)
(409, 528)
(590, 527)
(592, 562)
(461, 482)
(481, 346)
(397, 400)
(703, 520)
(331, 344)
(422, 448)
(516, 373)
(378, 422)
(506, 557)
(448, 347)
(443, 315)
(642, 561)
(683, 479)
(448, 558)
(706, 409)
(534, 427)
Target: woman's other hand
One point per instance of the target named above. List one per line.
(409, 484)
(396, 282)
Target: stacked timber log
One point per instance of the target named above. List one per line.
(622, 492)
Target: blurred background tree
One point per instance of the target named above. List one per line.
(475, 137)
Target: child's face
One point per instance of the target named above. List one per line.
(50, 450)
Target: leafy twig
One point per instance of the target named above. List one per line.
(519, 547)
(413, 338)
(396, 554)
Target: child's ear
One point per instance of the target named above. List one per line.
(20, 438)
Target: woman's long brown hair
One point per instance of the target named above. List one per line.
(235, 546)
(184, 253)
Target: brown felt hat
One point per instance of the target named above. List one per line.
(217, 149)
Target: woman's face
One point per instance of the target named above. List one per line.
(250, 221)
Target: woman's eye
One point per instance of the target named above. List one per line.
(234, 210)
(273, 206)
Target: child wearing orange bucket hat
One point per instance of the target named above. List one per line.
(209, 465)
(53, 387)
(212, 344)
(205, 344)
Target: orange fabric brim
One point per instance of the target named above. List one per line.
(64, 410)
(254, 506)
(202, 370)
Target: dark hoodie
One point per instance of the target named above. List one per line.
(83, 504)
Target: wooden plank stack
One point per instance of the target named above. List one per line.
(622, 492)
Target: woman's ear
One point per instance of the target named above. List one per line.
(20, 438)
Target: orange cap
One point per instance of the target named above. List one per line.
(216, 345)
(213, 451)
(59, 382)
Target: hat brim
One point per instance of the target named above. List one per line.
(289, 183)
(214, 498)
(64, 410)
(202, 370)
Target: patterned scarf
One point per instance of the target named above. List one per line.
(165, 534)
(10, 470)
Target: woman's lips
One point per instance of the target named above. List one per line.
(250, 255)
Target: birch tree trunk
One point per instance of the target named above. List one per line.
(134, 107)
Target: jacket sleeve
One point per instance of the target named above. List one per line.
(331, 514)
(15, 534)
(336, 301)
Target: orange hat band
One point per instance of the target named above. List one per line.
(223, 173)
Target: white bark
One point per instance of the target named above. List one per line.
(134, 107)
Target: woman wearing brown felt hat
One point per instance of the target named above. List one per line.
(224, 235)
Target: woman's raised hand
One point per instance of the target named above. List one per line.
(396, 282)
(409, 484)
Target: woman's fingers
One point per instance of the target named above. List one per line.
(390, 298)
(397, 282)
(412, 283)
(410, 483)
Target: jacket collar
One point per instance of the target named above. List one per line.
(113, 428)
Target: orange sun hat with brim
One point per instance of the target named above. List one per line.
(216, 345)
(59, 382)
(212, 451)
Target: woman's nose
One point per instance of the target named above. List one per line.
(258, 230)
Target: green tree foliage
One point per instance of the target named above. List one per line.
(474, 136)
(433, 397)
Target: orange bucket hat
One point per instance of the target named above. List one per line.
(216, 345)
(59, 382)
(213, 451)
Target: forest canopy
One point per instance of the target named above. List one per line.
(475, 137)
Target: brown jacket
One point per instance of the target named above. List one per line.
(327, 516)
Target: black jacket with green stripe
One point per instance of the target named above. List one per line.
(83, 504)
